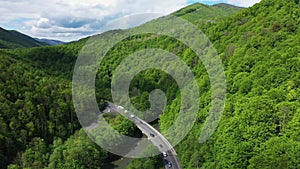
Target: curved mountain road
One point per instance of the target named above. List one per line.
(171, 160)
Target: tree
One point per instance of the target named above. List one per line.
(77, 152)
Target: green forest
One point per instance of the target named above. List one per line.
(260, 127)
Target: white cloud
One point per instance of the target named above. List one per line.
(76, 18)
(243, 3)
(43, 23)
(73, 19)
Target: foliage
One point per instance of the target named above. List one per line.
(77, 152)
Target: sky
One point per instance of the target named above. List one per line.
(69, 20)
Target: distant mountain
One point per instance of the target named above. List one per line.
(50, 41)
(10, 39)
(229, 7)
(201, 12)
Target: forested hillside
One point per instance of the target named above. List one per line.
(10, 39)
(34, 102)
(260, 49)
(200, 13)
(260, 127)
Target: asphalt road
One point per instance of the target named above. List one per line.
(171, 161)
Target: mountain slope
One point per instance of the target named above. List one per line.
(50, 42)
(260, 50)
(35, 104)
(228, 7)
(14, 39)
(260, 126)
(200, 12)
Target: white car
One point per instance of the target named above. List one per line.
(120, 107)
(164, 154)
(132, 116)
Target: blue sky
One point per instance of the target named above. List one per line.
(69, 20)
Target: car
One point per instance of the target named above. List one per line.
(132, 116)
(160, 145)
(164, 154)
(169, 164)
(126, 111)
(152, 135)
(106, 104)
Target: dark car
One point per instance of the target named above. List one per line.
(106, 104)
(169, 164)
(152, 135)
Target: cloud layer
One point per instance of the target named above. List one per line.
(74, 19)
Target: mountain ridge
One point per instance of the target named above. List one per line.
(10, 39)
(50, 42)
(198, 12)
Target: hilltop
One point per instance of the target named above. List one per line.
(50, 41)
(10, 39)
(200, 12)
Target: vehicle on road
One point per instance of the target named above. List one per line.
(160, 145)
(164, 154)
(132, 116)
(152, 135)
(106, 104)
(169, 164)
(120, 107)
